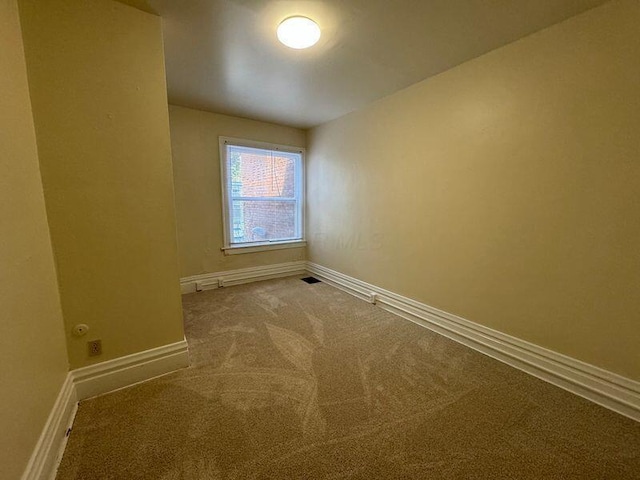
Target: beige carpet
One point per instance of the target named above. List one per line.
(298, 381)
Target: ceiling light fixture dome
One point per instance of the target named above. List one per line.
(298, 32)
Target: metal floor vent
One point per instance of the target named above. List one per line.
(310, 280)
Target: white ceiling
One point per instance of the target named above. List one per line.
(223, 55)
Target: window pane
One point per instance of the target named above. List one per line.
(261, 173)
(259, 221)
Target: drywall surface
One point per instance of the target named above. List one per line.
(33, 355)
(97, 83)
(505, 190)
(196, 166)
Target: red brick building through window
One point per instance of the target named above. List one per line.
(264, 188)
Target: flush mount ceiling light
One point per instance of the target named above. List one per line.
(298, 32)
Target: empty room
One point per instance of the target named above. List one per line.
(319, 239)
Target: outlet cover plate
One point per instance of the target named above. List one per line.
(95, 347)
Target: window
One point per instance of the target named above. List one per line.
(262, 190)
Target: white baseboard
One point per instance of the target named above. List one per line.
(125, 371)
(208, 281)
(88, 382)
(47, 454)
(605, 388)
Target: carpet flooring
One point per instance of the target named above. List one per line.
(296, 381)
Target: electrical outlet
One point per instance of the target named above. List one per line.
(95, 347)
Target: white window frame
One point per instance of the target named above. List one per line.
(225, 181)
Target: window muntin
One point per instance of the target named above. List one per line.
(262, 193)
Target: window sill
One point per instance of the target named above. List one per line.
(262, 247)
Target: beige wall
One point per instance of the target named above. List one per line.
(97, 82)
(506, 190)
(33, 358)
(196, 166)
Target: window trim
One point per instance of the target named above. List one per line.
(231, 249)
